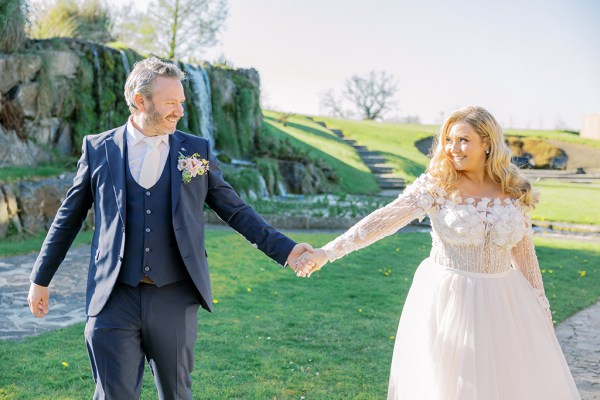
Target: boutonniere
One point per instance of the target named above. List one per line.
(190, 166)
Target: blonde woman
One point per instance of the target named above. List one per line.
(476, 324)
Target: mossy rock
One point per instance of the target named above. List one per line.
(542, 151)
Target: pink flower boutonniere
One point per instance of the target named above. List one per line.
(191, 166)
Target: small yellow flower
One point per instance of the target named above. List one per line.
(582, 273)
(249, 290)
(215, 301)
(65, 364)
(360, 310)
(392, 337)
(258, 317)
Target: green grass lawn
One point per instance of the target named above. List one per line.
(275, 336)
(577, 203)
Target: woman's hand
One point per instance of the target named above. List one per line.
(312, 261)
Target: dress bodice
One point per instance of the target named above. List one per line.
(476, 235)
(472, 234)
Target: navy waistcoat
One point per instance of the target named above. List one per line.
(150, 244)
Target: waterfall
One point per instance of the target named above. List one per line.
(97, 68)
(264, 192)
(98, 80)
(200, 85)
(281, 189)
(125, 62)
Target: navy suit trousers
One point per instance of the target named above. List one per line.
(159, 324)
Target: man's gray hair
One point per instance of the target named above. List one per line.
(142, 77)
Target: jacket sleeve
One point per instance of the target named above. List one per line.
(244, 219)
(67, 223)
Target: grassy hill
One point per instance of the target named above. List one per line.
(560, 201)
(396, 142)
(305, 135)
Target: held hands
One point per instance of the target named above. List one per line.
(310, 262)
(292, 260)
(38, 300)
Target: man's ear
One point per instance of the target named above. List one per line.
(140, 102)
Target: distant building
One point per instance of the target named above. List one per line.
(591, 127)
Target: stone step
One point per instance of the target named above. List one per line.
(392, 185)
(387, 175)
(398, 181)
(380, 170)
(369, 160)
(323, 124)
(338, 132)
(367, 153)
(360, 147)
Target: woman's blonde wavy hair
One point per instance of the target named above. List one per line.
(497, 164)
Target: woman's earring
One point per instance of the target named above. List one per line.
(487, 151)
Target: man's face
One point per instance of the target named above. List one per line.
(162, 111)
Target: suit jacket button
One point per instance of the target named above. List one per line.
(147, 249)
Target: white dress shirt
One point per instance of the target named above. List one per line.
(137, 147)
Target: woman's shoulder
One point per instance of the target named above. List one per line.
(424, 184)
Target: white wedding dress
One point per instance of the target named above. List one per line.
(476, 322)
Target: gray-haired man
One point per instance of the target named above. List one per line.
(148, 271)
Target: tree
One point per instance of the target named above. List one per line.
(175, 28)
(84, 19)
(333, 105)
(371, 96)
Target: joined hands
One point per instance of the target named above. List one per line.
(310, 261)
(304, 260)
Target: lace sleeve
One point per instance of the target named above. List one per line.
(525, 260)
(413, 203)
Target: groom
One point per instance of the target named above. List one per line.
(148, 271)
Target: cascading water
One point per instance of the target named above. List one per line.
(125, 62)
(200, 85)
(264, 192)
(281, 189)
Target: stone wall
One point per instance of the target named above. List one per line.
(30, 207)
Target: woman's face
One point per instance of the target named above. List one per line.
(465, 148)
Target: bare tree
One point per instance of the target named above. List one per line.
(176, 28)
(372, 94)
(332, 104)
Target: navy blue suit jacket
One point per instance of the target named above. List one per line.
(100, 181)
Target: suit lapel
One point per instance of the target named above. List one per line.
(115, 156)
(176, 141)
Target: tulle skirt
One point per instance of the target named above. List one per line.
(472, 336)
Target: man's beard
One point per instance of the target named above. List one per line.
(153, 120)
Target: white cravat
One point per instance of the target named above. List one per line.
(149, 172)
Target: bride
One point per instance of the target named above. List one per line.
(476, 324)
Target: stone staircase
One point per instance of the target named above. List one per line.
(389, 183)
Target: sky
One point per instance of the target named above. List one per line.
(534, 64)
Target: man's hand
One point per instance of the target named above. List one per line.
(292, 260)
(38, 300)
(312, 261)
